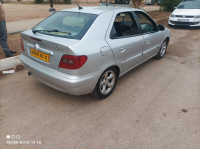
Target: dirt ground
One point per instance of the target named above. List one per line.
(14, 39)
(15, 12)
(29, 11)
(155, 106)
(14, 44)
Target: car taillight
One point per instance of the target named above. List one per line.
(22, 45)
(72, 62)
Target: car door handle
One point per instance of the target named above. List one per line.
(122, 50)
(147, 42)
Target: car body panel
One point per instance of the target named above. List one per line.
(152, 44)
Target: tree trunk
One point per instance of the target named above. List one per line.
(136, 3)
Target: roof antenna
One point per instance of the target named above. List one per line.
(79, 7)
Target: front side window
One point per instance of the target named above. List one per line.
(147, 25)
(66, 24)
(124, 25)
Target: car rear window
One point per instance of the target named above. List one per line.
(71, 25)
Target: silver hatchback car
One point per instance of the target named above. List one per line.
(82, 51)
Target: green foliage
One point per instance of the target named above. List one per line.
(38, 1)
(168, 5)
(67, 1)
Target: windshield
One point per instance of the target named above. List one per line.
(189, 4)
(66, 24)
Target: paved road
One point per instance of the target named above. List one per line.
(155, 106)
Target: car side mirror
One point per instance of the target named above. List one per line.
(161, 27)
(175, 8)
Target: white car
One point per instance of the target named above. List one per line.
(187, 13)
(149, 2)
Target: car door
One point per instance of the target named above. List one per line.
(152, 36)
(125, 41)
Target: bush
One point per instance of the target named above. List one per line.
(38, 1)
(67, 1)
(168, 5)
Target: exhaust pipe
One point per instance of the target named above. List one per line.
(30, 73)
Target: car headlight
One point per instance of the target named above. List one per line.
(173, 16)
(197, 17)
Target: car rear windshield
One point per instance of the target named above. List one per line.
(71, 25)
(189, 4)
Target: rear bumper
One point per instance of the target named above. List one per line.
(63, 82)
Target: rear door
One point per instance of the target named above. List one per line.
(125, 40)
(152, 36)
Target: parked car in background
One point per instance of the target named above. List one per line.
(85, 50)
(149, 2)
(159, 2)
(187, 13)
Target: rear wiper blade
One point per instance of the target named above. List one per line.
(54, 30)
(61, 32)
(39, 30)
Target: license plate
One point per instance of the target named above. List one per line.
(40, 55)
(183, 20)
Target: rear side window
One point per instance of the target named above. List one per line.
(66, 24)
(147, 24)
(124, 25)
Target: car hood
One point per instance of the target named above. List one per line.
(187, 12)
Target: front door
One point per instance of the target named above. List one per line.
(152, 36)
(126, 41)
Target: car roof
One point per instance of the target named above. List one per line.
(100, 9)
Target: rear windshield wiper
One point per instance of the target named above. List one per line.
(54, 30)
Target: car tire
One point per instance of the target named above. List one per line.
(106, 83)
(163, 49)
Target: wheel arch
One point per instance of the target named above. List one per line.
(115, 67)
(167, 39)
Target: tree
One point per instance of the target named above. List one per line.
(168, 5)
(38, 1)
(136, 3)
(67, 1)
